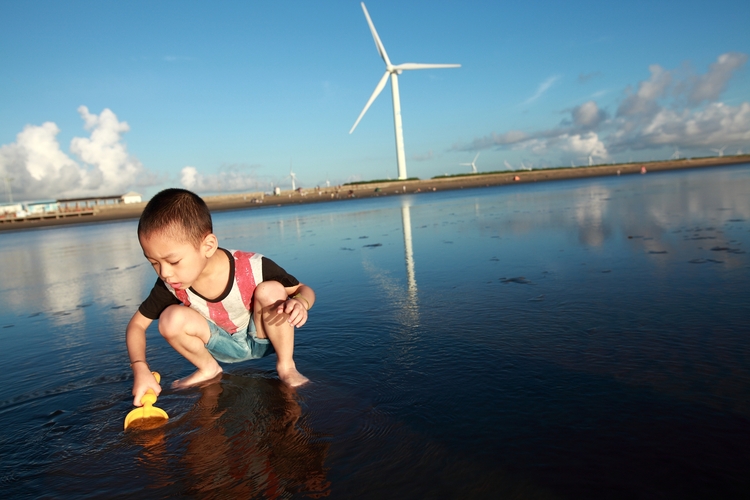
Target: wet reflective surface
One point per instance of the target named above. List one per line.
(577, 339)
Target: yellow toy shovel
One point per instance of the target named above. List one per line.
(147, 410)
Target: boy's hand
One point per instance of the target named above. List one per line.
(296, 310)
(143, 381)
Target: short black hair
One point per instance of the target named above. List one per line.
(177, 213)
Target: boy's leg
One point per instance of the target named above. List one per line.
(268, 296)
(188, 333)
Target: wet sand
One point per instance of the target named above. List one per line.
(237, 201)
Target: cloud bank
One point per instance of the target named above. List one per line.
(227, 179)
(36, 167)
(669, 109)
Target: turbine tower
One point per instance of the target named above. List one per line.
(393, 71)
(472, 164)
(292, 176)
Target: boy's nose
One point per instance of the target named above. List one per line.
(165, 272)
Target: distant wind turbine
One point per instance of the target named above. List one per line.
(292, 176)
(720, 150)
(508, 165)
(393, 71)
(472, 164)
(676, 155)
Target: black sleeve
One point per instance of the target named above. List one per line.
(159, 299)
(273, 272)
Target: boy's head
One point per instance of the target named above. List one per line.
(177, 214)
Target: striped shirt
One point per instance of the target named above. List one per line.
(232, 310)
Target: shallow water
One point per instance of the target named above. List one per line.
(576, 339)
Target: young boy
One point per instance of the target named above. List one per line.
(212, 304)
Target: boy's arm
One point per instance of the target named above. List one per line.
(301, 299)
(135, 338)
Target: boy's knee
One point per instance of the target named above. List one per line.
(172, 321)
(269, 292)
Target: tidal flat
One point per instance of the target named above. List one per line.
(585, 338)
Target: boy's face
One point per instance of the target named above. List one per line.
(178, 263)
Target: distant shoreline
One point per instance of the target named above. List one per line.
(384, 188)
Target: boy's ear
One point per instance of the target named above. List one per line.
(209, 245)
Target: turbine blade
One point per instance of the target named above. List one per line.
(378, 43)
(407, 66)
(374, 95)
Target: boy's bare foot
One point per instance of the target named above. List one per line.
(198, 377)
(292, 377)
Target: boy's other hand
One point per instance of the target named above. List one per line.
(296, 310)
(143, 381)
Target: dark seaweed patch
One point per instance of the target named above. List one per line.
(520, 280)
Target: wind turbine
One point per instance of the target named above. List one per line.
(393, 71)
(676, 155)
(508, 165)
(720, 151)
(472, 164)
(292, 176)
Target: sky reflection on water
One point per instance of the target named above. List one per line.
(562, 339)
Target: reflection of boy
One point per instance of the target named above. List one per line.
(240, 305)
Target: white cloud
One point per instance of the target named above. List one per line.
(189, 177)
(664, 110)
(709, 87)
(231, 178)
(40, 169)
(714, 126)
(584, 145)
(588, 115)
(543, 87)
(644, 101)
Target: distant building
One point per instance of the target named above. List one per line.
(78, 204)
(131, 197)
(10, 208)
(41, 207)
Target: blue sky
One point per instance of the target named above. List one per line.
(106, 97)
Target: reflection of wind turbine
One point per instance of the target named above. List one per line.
(409, 254)
(393, 71)
(720, 150)
(472, 164)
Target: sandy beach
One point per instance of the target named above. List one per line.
(248, 200)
